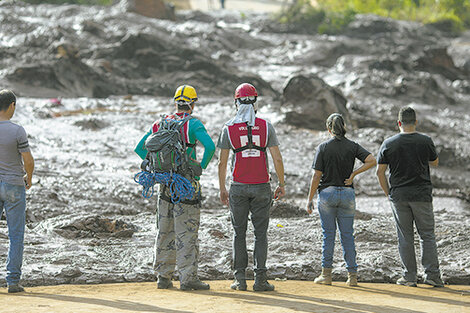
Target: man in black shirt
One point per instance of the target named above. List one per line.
(408, 155)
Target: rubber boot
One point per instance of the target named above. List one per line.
(195, 285)
(164, 283)
(325, 277)
(261, 283)
(352, 279)
(239, 284)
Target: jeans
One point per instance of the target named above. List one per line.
(13, 200)
(337, 206)
(257, 199)
(421, 213)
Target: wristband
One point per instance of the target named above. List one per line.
(282, 185)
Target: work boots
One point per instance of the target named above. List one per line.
(352, 279)
(164, 283)
(15, 288)
(194, 285)
(325, 277)
(261, 283)
(239, 284)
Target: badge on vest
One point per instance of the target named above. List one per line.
(250, 153)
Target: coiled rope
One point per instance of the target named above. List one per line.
(180, 187)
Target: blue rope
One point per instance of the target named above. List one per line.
(180, 187)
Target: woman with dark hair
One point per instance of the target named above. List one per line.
(333, 177)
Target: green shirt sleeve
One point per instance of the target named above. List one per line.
(140, 148)
(197, 131)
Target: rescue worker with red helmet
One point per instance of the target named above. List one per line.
(176, 242)
(249, 136)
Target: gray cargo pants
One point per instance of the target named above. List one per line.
(257, 199)
(176, 243)
(421, 213)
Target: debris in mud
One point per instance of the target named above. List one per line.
(217, 234)
(91, 124)
(95, 226)
(286, 210)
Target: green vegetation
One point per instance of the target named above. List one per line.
(331, 16)
(98, 2)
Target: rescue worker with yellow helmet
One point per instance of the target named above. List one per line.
(176, 243)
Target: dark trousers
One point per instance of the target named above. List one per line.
(255, 199)
(420, 214)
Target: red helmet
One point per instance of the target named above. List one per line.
(245, 90)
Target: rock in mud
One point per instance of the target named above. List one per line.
(95, 226)
(91, 124)
(309, 101)
(149, 8)
(286, 210)
(436, 60)
(68, 77)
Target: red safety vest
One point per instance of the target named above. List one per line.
(250, 165)
(176, 116)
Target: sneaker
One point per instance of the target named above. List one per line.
(15, 288)
(435, 282)
(239, 284)
(164, 283)
(402, 281)
(194, 285)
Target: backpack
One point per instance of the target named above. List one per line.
(167, 148)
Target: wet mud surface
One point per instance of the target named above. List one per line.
(87, 221)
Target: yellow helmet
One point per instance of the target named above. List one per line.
(186, 93)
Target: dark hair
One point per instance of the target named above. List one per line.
(335, 124)
(184, 105)
(6, 98)
(407, 116)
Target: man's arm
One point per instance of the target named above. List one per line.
(369, 162)
(140, 148)
(380, 172)
(223, 159)
(209, 146)
(28, 162)
(279, 167)
(316, 177)
(434, 163)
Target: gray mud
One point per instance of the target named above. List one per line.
(87, 221)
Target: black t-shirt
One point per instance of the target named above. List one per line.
(408, 156)
(335, 159)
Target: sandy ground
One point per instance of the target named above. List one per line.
(290, 296)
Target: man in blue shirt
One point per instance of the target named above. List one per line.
(408, 156)
(176, 243)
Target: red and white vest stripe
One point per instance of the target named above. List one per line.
(250, 165)
(175, 116)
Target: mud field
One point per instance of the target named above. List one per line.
(87, 221)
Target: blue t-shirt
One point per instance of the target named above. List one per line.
(408, 156)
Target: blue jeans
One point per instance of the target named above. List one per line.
(254, 198)
(337, 206)
(13, 200)
(421, 213)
